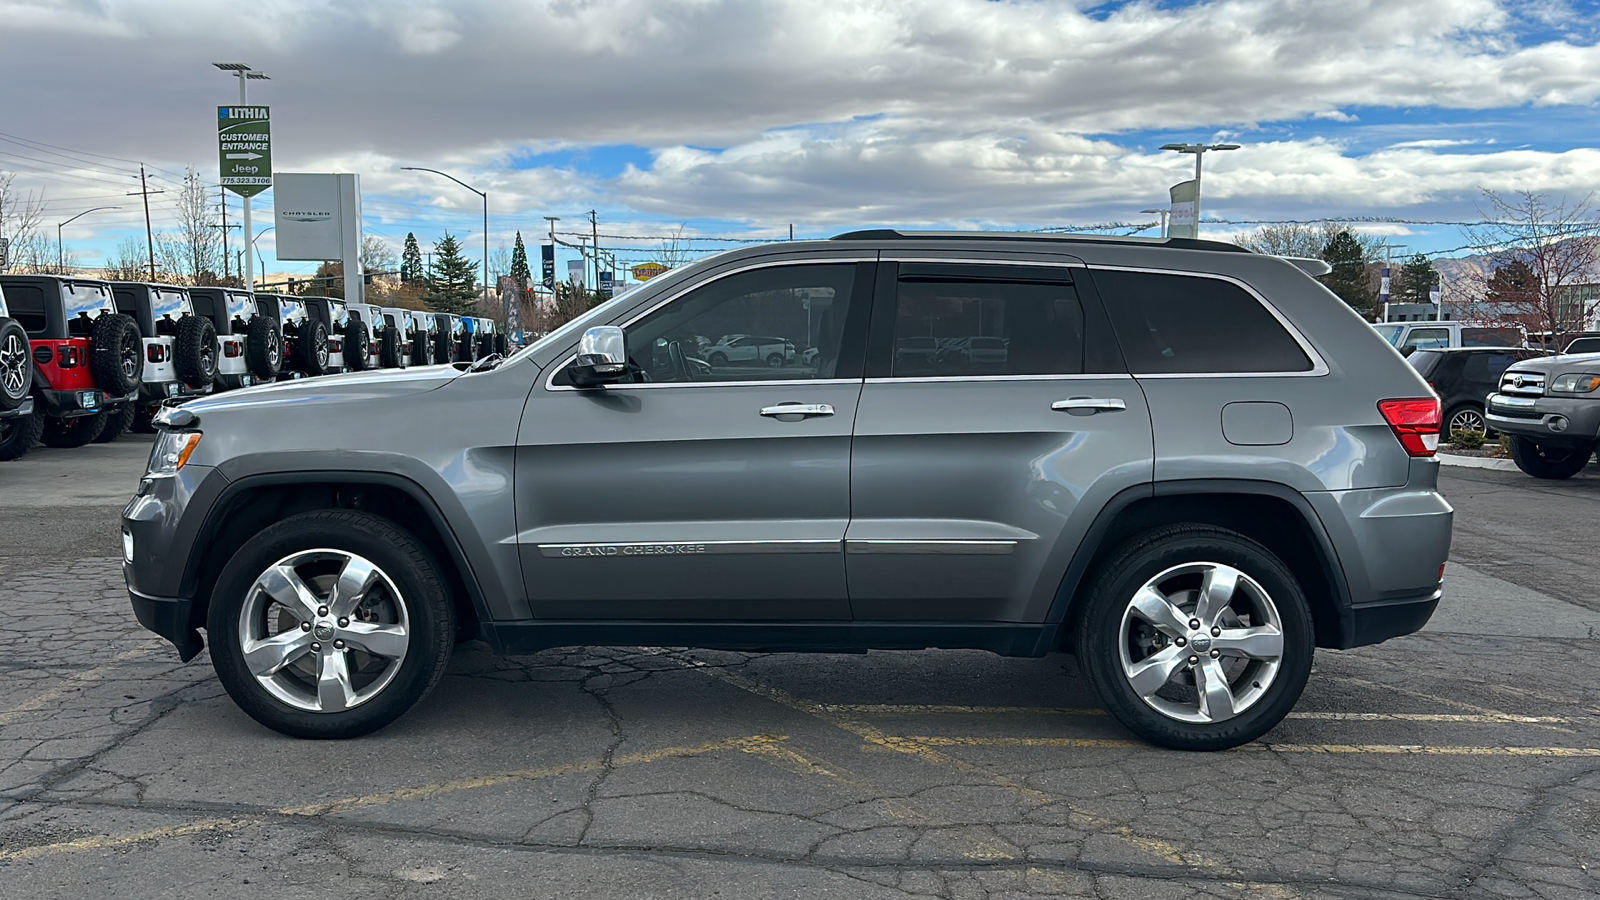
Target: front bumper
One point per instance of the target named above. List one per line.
(157, 538)
(168, 617)
(1557, 421)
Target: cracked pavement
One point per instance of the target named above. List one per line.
(1463, 762)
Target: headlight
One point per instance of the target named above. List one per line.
(1576, 383)
(171, 451)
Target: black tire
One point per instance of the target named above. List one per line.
(118, 421)
(312, 352)
(407, 564)
(502, 345)
(195, 351)
(357, 344)
(1543, 461)
(717, 360)
(1099, 635)
(389, 351)
(16, 365)
(485, 345)
(1469, 414)
(263, 348)
(74, 432)
(775, 360)
(444, 347)
(18, 434)
(116, 359)
(143, 419)
(422, 349)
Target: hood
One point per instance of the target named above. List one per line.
(1558, 365)
(330, 388)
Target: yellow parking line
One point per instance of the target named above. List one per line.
(1394, 749)
(888, 709)
(1450, 701)
(424, 792)
(68, 685)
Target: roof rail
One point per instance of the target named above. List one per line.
(890, 234)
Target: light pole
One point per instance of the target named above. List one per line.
(1163, 213)
(61, 254)
(506, 308)
(1199, 151)
(245, 74)
(251, 286)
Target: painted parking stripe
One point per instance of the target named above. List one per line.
(1388, 749)
(888, 709)
(68, 685)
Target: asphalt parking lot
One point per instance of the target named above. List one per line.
(1461, 762)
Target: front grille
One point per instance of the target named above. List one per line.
(1522, 384)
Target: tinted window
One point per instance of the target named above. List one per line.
(27, 307)
(780, 322)
(959, 328)
(171, 305)
(1425, 361)
(1187, 324)
(240, 306)
(1491, 337)
(1428, 338)
(1584, 345)
(86, 300)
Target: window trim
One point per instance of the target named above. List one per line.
(1318, 366)
(680, 291)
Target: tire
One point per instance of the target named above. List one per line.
(357, 345)
(312, 352)
(195, 351)
(775, 360)
(485, 345)
(422, 349)
(444, 350)
(1466, 417)
(717, 360)
(389, 350)
(74, 432)
(502, 345)
(263, 348)
(143, 419)
(410, 592)
(1112, 640)
(18, 434)
(118, 420)
(116, 360)
(1548, 462)
(16, 365)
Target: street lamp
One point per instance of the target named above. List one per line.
(1163, 213)
(244, 74)
(61, 255)
(251, 285)
(1199, 151)
(506, 310)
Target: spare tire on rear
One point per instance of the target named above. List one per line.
(313, 350)
(116, 360)
(16, 365)
(502, 345)
(444, 347)
(389, 353)
(195, 351)
(357, 344)
(263, 347)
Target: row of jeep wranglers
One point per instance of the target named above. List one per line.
(83, 360)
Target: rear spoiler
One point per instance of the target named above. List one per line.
(1316, 268)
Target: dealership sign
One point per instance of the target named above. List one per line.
(244, 148)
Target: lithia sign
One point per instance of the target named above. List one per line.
(244, 148)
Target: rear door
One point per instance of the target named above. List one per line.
(969, 471)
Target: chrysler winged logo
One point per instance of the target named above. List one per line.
(306, 216)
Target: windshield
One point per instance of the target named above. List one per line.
(1390, 333)
(86, 300)
(172, 305)
(240, 306)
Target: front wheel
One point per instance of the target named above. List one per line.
(1545, 461)
(1196, 638)
(1466, 417)
(330, 624)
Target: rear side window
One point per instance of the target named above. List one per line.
(1490, 337)
(27, 307)
(1584, 345)
(1425, 361)
(955, 328)
(1428, 338)
(1185, 324)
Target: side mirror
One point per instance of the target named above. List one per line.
(602, 357)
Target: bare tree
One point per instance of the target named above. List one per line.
(376, 258)
(1558, 242)
(196, 257)
(131, 262)
(20, 218)
(1308, 240)
(674, 251)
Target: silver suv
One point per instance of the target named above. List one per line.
(1188, 464)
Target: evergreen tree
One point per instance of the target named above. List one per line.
(1349, 276)
(519, 264)
(1513, 282)
(411, 261)
(1416, 281)
(451, 284)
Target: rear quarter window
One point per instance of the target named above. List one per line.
(1425, 361)
(1170, 324)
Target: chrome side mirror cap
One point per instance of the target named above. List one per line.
(602, 357)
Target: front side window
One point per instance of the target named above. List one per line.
(1428, 338)
(953, 328)
(1391, 333)
(776, 323)
(1186, 324)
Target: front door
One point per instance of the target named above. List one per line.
(995, 418)
(701, 489)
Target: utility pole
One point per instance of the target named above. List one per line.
(594, 229)
(149, 233)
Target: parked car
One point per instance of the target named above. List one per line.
(487, 342)
(1587, 342)
(1550, 406)
(86, 358)
(180, 351)
(16, 380)
(307, 350)
(447, 343)
(398, 351)
(425, 338)
(1192, 475)
(750, 349)
(370, 315)
(251, 347)
(1463, 377)
(1408, 337)
(347, 337)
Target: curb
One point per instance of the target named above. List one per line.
(1476, 462)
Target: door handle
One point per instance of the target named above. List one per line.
(805, 410)
(1088, 406)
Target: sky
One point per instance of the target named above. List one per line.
(742, 119)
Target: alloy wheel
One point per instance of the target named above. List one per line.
(132, 365)
(14, 363)
(1201, 642)
(1468, 420)
(324, 630)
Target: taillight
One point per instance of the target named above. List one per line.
(1415, 422)
(230, 349)
(70, 358)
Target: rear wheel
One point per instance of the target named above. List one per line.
(195, 352)
(16, 365)
(263, 348)
(18, 434)
(116, 357)
(330, 624)
(118, 420)
(1465, 417)
(74, 432)
(1196, 638)
(1545, 461)
(313, 350)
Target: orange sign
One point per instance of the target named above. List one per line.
(647, 271)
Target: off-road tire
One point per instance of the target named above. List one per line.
(485, 345)
(74, 432)
(389, 351)
(115, 343)
(502, 345)
(357, 345)
(313, 336)
(16, 365)
(422, 349)
(1548, 462)
(195, 352)
(1098, 632)
(263, 348)
(143, 419)
(415, 573)
(18, 434)
(118, 420)
(444, 347)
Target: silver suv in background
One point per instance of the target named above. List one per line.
(1188, 464)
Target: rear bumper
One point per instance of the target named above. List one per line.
(71, 404)
(1556, 421)
(167, 390)
(1379, 622)
(25, 409)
